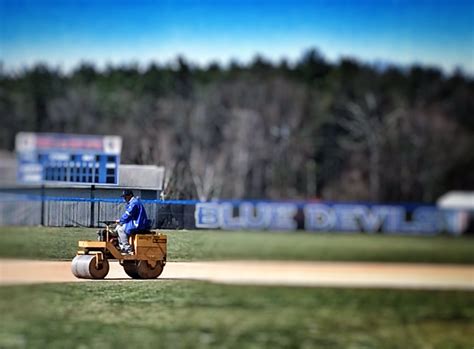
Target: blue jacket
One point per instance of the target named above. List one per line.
(134, 216)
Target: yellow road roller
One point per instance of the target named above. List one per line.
(147, 261)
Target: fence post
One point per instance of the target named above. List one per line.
(42, 204)
(92, 206)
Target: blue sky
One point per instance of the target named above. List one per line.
(63, 33)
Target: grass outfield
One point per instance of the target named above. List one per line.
(182, 314)
(61, 243)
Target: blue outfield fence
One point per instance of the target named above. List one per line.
(413, 219)
(27, 209)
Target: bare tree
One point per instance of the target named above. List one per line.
(367, 130)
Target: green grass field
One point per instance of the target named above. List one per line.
(61, 243)
(170, 314)
(184, 314)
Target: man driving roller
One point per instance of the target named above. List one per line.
(133, 219)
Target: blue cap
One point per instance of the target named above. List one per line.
(127, 192)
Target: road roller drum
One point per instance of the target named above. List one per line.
(142, 269)
(130, 268)
(89, 267)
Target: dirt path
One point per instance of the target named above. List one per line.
(317, 274)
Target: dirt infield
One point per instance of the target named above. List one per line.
(314, 274)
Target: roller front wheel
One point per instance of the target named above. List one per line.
(86, 267)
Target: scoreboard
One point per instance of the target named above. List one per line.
(54, 157)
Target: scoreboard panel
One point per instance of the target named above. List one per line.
(49, 157)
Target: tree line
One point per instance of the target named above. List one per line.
(343, 130)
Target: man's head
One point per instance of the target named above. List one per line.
(127, 194)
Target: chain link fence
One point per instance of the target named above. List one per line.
(31, 210)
